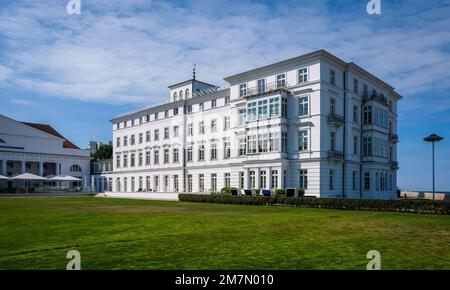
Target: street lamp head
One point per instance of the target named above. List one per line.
(433, 138)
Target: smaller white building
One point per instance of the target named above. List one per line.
(41, 150)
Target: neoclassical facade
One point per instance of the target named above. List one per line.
(313, 122)
(41, 150)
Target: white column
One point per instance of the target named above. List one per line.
(246, 178)
(41, 168)
(22, 167)
(4, 167)
(269, 177)
(257, 178)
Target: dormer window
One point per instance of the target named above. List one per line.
(175, 96)
(181, 95)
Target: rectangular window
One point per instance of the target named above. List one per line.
(141, 159)
(365, 90)
(251, 111)
(261, 86)
(274, 142)
(117, 142)
(252, 144)
(263, 179)
(175, 183)
(332, 141)
(242, 90)
(125, 160)
(189, 109)
(355, 145)
(226, 123)
(201, 106)
(252, 179)
(242, 114)
(201, 182)
(189, 154)
(132, 160)
(226, 150)
(176, 155)
(355, 114)
(227, 100)
(242, 147)
(118, 161)
(303, 140)
(125, 184)
(147, 158)
(147, 136)
(190, 130)
(274, 178)
(227, 179)
(176, 131)
(284, 107)
(189, 183)
(166, 133)
(214, 181)
(156, 116)
(156, 157)
(214, 125)
(175, 111)
(156, 135)
(213, 151)
(332, 77)
(303, 106)
(241, 179)
(366, 180)
(262, 109)
(132, 184)
(355, 180)
(331, 180)
(367, 115)
(132, 140)
(274, 107)
(355, 86)
(281, 80)
(125, 140)
(213, 103)
(201, 127)
(166, 156)
(284, 139)
(166, 113)
(201, 153)
(367, 146)
(302, 75)
(304, 178)
(141, 138)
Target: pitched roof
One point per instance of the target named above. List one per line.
(49, 129)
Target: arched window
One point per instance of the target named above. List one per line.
(181, 95)
(75, 168)
(175, 96)
(187, 93)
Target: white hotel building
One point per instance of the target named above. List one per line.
(313, 122)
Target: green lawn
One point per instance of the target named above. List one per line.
(36, 233)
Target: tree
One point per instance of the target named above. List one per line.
(104, 151)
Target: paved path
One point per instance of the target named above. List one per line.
(44, 194)
(141, 195)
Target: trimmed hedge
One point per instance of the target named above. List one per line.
(412, 206)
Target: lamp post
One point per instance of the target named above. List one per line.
(433, 138)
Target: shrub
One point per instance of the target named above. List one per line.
(411, 206)
(257, 191)
(300, 192)
(280, 192)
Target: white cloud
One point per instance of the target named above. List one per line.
(129, 52)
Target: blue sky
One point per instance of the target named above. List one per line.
(76, 72)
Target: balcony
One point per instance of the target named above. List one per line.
(335, 155)
(375, 96)
(267, 88)
(393, 138)
(394, 165)
(336, 120)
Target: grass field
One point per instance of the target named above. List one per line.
(36, 233)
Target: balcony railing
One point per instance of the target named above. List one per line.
(267, 88)
(393, 138)
(380, 98)
(336, 155)
(336, 119)
(394, 165)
